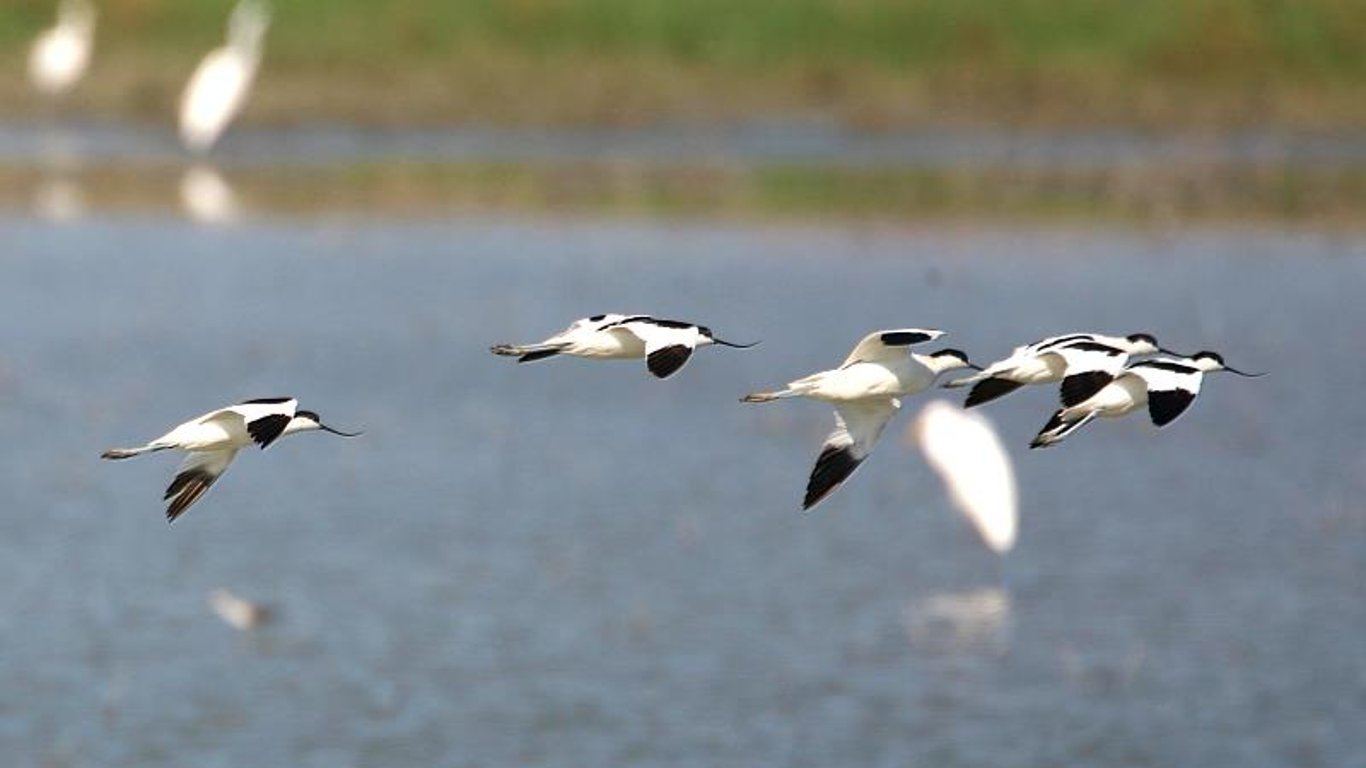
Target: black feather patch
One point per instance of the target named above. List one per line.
(833, 467)
(1166, 404)
(539, 354)
(987, 390)
(265, 429)
(1079, 387)
(665, 361)
(904, 338)
(1061, 340)
(185, 490)
(1166, 365)
(267, 401)
(1095, 346)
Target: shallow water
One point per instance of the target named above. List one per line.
(567, 564)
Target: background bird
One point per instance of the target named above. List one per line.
(219, 87)
(61, 54)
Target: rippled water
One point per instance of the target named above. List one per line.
(570, 564)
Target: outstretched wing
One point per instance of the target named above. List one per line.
(1090, 365)
(857, 428)
(668, 343)
(882, 346)
(197, 474)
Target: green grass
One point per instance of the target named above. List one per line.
(874, 62)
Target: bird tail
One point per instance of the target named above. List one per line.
(768, 397)
(526, 353)
(128, 453)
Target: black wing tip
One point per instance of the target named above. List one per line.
(665, 361)
(987, 390)
(265, 430)
(905, 338)
(833, 467)
(1077, 388)
(1165, 406)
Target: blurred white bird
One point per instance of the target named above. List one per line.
(60, 55)
(964, 448)
(238, 612)
(219, 86)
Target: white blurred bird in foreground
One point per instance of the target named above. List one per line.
(61, 54)
(218, 89)
(213, 440)
(965, 450)
(865, 390)
(1167, 386)
(238, 612)
(665, 344)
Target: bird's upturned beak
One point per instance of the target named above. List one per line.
(1244, 373)
(326, 428)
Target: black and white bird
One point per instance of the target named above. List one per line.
(1167, 386)
(213, 440)
(1083, 362)
(865, 391)
(665, 344)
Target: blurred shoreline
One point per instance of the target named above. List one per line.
(1166, 66)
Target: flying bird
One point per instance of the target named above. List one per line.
(1167, 386)
(665, 344)
(213, 440)
(1083, 362)
(218, 89)
(865, 391)
(60, 55)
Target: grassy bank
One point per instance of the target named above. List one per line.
(1168, 64)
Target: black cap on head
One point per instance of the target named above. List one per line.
(1215, 356)
(958, 353)
(1141, 337)
(307, 415)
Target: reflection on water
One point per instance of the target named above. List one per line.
(59, 199)
(207, 197)
(970, 621)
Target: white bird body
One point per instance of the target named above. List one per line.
(965, 450)
(213, 440)
(61, 54)
(1083, 362)
(219, 87)
(865, 391)
(1165, 386)
(665, 344)
(238, 612)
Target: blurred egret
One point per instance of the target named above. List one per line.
(220, 84)
(864, 391)
(965, 450)
(60, 55)
(665, 344)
